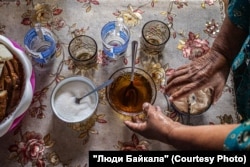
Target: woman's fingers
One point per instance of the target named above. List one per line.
(145, 107)
(136, 119)
(138, 124)
(181, 86)
(134, 126)
(217, 92)
(178, 72)
(182, 92)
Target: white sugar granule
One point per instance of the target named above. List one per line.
(65, 102)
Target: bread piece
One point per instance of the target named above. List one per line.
(14, 89)
(7, 84)
(11, 84)
(1, 67)
(2, 81)
(5, 54)
(11, 81)
(3, 104)
(17, 66)
(197, 102)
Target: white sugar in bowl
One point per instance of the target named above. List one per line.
(63, 99)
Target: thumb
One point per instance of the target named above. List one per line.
(216, 95)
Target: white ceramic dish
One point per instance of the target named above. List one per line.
(26, 100)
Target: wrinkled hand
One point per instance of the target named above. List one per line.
(157, 126)
(210, 70)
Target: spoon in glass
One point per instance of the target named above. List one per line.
(130, 96)
(42, 44)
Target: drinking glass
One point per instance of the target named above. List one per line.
(83, 51)
(115, 38)
(155, 35)
(40, 44)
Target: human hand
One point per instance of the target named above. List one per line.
(157, 126)
(209, 70)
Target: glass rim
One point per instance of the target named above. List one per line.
(128, 30)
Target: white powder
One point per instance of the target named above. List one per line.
(65, 104)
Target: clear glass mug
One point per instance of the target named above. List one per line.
(115, 38)
(40, 44)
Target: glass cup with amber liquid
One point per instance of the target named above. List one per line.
(83, 52)
(145, 89)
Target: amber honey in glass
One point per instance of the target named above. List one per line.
(144, 86)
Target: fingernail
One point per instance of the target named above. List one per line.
(158, 108)
(145, 106)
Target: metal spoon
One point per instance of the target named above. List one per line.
(131, 93)
(106, 83)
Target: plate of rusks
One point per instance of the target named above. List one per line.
(16, 84)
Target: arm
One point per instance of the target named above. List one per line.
(211, 69)
(204, 137)
(229, 40)
(160, 127)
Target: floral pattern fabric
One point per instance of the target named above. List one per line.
(239, 138)
(238, 12)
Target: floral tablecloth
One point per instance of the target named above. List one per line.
(41, 138)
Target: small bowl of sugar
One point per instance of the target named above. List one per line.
(63, 99)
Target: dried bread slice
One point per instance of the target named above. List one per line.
(11, 81)
(5, 54)
(15, 87)
(7, 84)
(3, 103)
(4, 92)
(196, 103)
(2, 81)
(1, 67)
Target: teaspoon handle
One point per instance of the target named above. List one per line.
(106, 83)
(134, 52)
